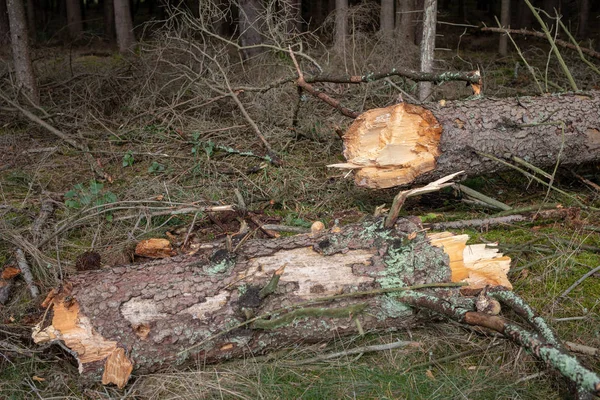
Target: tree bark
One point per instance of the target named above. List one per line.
(74, 21)
(584, 18)
(505, 22)
(124, 26)
(406, 144)
(341, 25)
(386, 18)
(31, 20)
(108, 8)
(405, 21)
(250, 22)
(428, 46)
(267, 294)
(4, 24)
(20, 49)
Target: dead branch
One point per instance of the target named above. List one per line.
(536, 343)
(79, 146)
(24, 267)
(484, 223)
(560, 42)
(320, 95)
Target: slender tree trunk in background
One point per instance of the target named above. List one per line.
(20, 50)
(74, 22)
(341, 25)
(584, 18)
(4, 24)
(428, 46)
(31, 12)
(525, 17)
(124, 25)
(386, 18)
(109, 20)
(250, 22)
(406, 21)
(505, 22)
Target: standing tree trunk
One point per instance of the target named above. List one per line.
(20, 50)
(4, 24)
(428, 46)
(405, 21)
(109, 20)
(341, 25)
(584, 18)
(31, 20)
(250, 22)
(124, 26)
(74, 21)
(505, 22)
(386, 18)
(524, 16)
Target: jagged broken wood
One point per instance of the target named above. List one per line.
(407, 144)
(215, 304)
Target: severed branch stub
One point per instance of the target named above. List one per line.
(301, 82)
(403, 195)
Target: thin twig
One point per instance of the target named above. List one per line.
(579, 281)
(356, 350)
(26, 272)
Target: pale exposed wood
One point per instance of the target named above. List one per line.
(391, 146)
(478, 264)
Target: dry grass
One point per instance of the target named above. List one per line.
(160, 107)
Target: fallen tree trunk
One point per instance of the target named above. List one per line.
(264, 295)
(406, 144)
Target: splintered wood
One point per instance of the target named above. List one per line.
(478, 264)
(391, 146)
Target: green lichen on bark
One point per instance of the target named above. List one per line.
(568, 365)
(309, 312)
(220, 263)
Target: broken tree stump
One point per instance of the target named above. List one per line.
(407, 144)
(269, 294)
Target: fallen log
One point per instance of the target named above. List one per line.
(406, 144)
(267, 294)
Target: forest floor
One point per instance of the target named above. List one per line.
(165, 143)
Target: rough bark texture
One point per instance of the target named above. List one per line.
(74, 21)
(20, 49)
(250, 22)
(386, 18)
(428, 46)
(341, 24)
(505, 22)
(584, 18)
(158, 311)
(31, 29)
(124, 26)
(4, 24)
(405, 21)
(528, 127)
(109, 20)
